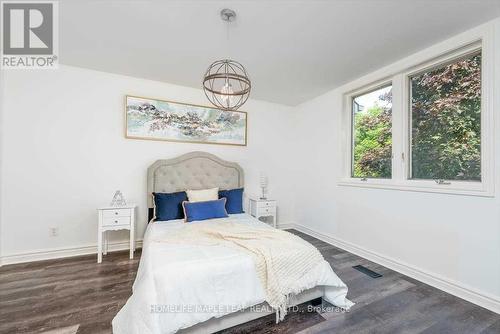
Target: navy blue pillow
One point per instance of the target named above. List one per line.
(234, 197)
(169, 206)
(204, 210)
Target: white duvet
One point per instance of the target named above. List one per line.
(180, 285)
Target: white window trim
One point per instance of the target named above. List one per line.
(481, 38)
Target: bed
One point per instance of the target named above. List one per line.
(198, 287)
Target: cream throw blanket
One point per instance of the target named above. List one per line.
(281, 258)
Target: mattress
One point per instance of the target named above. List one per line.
(180, 285)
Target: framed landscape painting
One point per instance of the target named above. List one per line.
(165, 120)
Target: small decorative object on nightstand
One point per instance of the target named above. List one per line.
(263, 185)
(263, 209)
(118, 199)
(113, 218)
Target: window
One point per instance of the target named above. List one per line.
(446, 121)
(372, 137)
(426, 125)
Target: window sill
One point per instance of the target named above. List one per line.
(455, 188)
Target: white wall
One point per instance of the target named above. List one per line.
(443, 239)
(64, 153)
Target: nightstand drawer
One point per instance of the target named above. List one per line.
(116, 221)
(269, 210)
(260, 208)
(270, 204)
(116, 213)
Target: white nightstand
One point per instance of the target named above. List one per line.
(260, 208)
(114, 219)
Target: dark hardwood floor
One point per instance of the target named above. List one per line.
(76, 295)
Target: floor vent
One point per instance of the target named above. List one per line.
(367, 271)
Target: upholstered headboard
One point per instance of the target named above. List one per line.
(195, 170)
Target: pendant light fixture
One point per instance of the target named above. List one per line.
(226, 83)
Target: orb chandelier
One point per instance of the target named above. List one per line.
(226, 83)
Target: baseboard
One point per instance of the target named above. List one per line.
(286, 226)
(457, 289)
(62, 253)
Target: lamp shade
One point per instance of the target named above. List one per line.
(263, 181)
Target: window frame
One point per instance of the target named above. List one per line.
(402, 122)
(454, 57)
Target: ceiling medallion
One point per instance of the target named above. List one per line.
(226, 83)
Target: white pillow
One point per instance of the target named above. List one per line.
(203, 195)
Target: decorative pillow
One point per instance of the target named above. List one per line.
(234, 200)
(203, 195)
(168, 206)
(204, 210)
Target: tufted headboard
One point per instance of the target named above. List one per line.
(195, 170)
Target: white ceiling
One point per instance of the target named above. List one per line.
(293, 50)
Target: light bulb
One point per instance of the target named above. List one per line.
(226, 94)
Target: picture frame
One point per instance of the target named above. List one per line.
(164, 120)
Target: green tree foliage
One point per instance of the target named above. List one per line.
(373, 143)
(446, 126)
